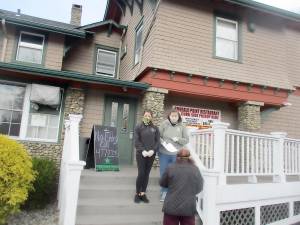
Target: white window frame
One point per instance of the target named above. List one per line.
(115, 69)
(25, 116)
(237, 54)
(139, 29)
(32, 46)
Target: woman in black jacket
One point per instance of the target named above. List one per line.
(184, 181)
(147, 141)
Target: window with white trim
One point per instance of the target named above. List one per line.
(138, 43)
(11, 109)
(25, 120)
(30, 47)
(227, 38)
(106, 62)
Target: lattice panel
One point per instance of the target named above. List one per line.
(297, 208)
(272, 213)
(238, 217)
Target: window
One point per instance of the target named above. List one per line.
(11, 109)
(226, 38)
(30, 48)
(106, 62)
(138, 43)
(43, 122)
(23, 119)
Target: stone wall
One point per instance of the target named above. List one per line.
(154, 100)
(249, 117)
(74, 103)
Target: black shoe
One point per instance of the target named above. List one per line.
(144, 198)
(137, 198)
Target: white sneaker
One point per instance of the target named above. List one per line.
(163, 196)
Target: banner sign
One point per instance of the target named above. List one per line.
(198, 117)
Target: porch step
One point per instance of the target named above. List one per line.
(106, 198)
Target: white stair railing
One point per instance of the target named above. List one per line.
(70, 172)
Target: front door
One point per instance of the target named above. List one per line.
(121, 113)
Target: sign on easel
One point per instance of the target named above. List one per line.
(103, 151)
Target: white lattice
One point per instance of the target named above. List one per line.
(238, 217)
(272, 213)
(297, 208)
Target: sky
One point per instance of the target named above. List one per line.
(93, 10)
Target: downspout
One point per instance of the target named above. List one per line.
(120, 52)
(4, 40)
(148, 33)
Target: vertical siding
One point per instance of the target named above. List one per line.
(127, 69)
(54, 51)
(285, 119)
(228, 112)
(82, 54)
(93, 111)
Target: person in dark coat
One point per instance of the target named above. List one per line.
(147, 142)
(184, 181)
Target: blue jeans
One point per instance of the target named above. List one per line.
(164, 161)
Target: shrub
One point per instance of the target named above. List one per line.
(45, 184)
(16, 176)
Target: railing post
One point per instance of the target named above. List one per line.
(211, 215)
(68, 209)
(219, 130)
(74, 134)
(278, 157)
(70, 172)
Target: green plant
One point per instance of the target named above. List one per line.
(45, 184)
(16, 176)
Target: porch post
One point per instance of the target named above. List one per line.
(219, 130)
(154, 100)
(278, 157)
(249, 116)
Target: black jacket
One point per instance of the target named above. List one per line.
(146, 138)
(184, 182)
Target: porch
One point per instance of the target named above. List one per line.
(249, 178)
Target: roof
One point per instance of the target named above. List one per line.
(70, 75)
(41, 24)
(267, 8)
(103, 23)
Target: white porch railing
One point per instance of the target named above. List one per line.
(70, 172)
(222, 154)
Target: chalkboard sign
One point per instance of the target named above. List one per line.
(103, 152)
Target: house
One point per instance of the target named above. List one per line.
(228, 61)
(37, 61)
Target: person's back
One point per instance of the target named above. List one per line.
(184, 181)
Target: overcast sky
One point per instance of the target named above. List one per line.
(93, 10)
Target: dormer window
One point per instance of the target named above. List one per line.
(106, 62)
(30, 47)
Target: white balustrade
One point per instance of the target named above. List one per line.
(291, 156)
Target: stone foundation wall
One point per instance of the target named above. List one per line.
(74, 103)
